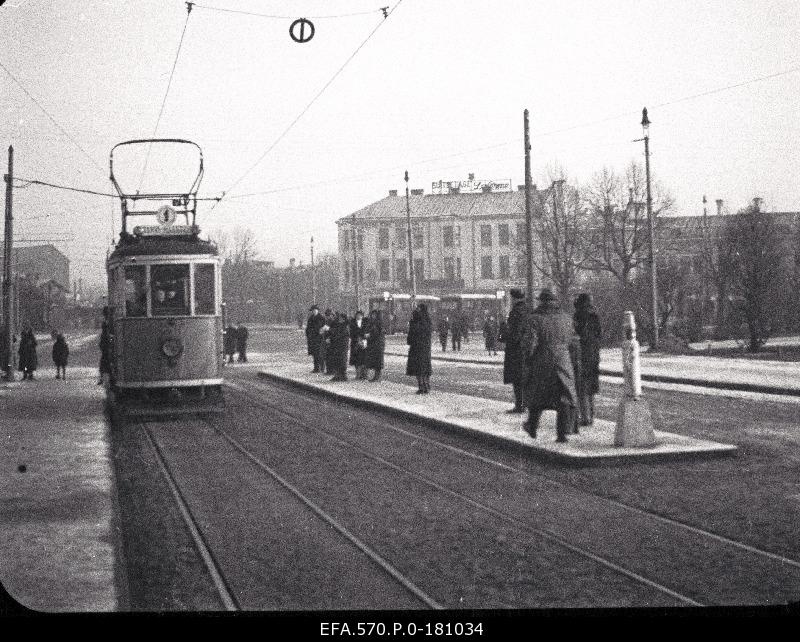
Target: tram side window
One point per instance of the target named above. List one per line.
(204, 289)
(169, 286)
(135, 291)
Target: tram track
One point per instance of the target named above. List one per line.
(510, 519)
(222, 585)
(560, 484)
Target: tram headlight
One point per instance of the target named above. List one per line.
(172, 348)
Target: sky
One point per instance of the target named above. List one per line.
(300, 134)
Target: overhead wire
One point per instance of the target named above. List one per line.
(53, 120)
(166, 94)
(308, 106)
(265, 15)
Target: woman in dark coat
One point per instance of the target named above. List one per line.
(60, 356)
(358, 344)
(339, 336)
(28, 361)
(419, 352)
(587, 326)
(490, 333)
(514, 369)
(376, 343)
(230, 342)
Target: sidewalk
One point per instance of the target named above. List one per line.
(487, 418)
(772, 377)
(58, 534)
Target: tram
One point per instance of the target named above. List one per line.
(396, 309)
(164, 317)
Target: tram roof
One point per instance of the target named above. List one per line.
(130, 245)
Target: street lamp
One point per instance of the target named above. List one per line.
(652, 259)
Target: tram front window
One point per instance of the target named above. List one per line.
(204, 289)
(169, 287)
(135, 291)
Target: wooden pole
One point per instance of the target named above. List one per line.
(8, 246)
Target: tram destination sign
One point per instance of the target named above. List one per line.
(166, 230)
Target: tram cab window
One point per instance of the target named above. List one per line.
(169, 287)
(135, 291)
(204, 289)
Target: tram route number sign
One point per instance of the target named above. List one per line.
(166, 215)
(302, 30)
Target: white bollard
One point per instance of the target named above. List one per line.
(634, 419)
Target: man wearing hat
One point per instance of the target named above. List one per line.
(514, 359)
(550, 384)
(314, 338)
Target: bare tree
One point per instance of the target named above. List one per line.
(618, 232)
(755, 244)
(560, 224)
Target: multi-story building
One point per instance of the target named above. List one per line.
(40, 264)
(460, 243)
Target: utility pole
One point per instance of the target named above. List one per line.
(410, 248)
(355, 259)
(8, 243)
(528, 221)
(313, 276)
(653, 286)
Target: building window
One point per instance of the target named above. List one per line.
(505, 267)
(458, 267)
(457, 235)
(522, 232)
(346, 272)
(419, 270)
(383, 270)
(400, 269)
(360, 239)
(486, 236)
(400, 234)
(447, 235)
(419, 240)
(502, 234)
(345, 240)
(383, 238)
(486, 267)
(449, 268)
(522, 267)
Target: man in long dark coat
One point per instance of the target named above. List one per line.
(337, 350)
(229, 342)
(514, 370)
(551, 379)
(241, 342)
(358, 344)
(28, 360)
(587, 326)
(314, 338)
(419, 351)
(443, 329)
(376, 343)
(456, 331)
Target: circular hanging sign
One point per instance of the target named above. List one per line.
(301, 30)
(165, 215)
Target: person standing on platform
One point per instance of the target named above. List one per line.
(587, 326)
(229, 342)
(28, 360)
(419, 351)
(105, 347)
(337, 350)
(358, 344)
(330, 321)
(60, 356)
(376, 343)
(455, 332)
(550, 384)
(443, 329)
(490, 332)
(464, 324)
(514, 370)
(241, 342)
(314, 338)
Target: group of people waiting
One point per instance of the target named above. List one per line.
(236, 341)
(332, 336)
(28, 359)
(553, 361)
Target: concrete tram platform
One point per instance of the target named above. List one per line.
(488, 418)
(58, 531)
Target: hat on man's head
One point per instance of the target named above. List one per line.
(516, 293)
(313, 307)
(547, 295)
